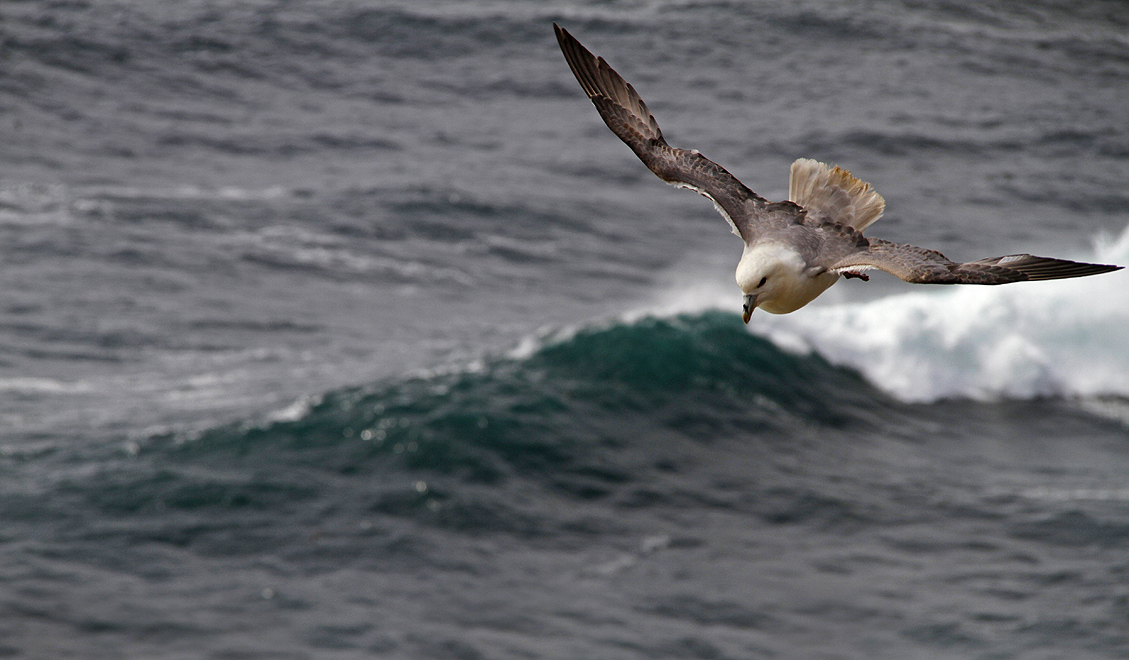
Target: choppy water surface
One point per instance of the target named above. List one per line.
(346, 329)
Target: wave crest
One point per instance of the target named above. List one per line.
(551, 409)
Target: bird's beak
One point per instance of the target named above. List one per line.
(748, 307)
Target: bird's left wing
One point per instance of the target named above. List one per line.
(922, 266)
(627, 115)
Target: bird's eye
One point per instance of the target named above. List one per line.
(763, 280)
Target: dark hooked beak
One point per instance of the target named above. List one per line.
(747, 308)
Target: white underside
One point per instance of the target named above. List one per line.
(799, 292)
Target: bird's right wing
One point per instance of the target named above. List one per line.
(627, 115)
(922, 266)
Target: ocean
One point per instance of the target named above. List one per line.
(346, 329)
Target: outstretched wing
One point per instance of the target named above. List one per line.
(922, 266)
(627, 115)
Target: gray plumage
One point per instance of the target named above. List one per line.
(804, 243)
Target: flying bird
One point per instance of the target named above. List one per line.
(795, 249)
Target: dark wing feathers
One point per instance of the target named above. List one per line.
(922, 266)
(627, 116)
(600, 81)
(1044, 268)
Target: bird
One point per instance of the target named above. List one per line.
(797, 248)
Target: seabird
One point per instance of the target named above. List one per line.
(795, 249)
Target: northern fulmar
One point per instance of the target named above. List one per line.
(795, 249)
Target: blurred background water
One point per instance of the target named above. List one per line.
(346, 329)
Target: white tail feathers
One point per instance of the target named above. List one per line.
(834, 194)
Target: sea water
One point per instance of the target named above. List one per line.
(347, 330)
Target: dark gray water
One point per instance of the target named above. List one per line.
(347, 330)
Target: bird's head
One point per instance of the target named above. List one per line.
(775, 278)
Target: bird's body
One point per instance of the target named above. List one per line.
(795, 249)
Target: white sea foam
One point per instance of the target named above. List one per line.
(31, 385)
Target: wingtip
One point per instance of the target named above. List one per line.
(587, 68)
(1044, 268)
(563, 35)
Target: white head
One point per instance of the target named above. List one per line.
(776, 279)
